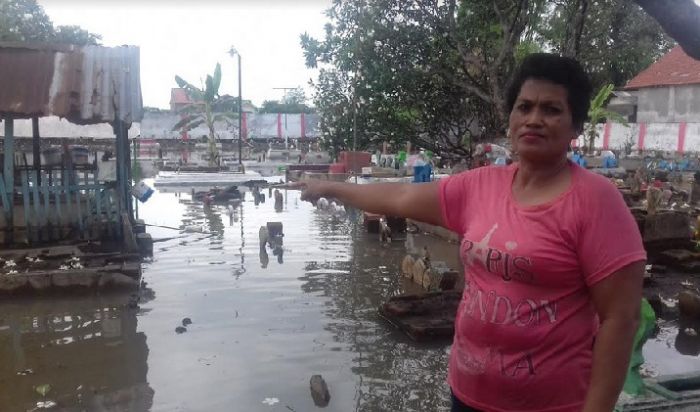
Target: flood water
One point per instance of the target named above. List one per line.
(261, 325)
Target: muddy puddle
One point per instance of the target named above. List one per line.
(261, 323)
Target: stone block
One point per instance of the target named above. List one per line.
(72, 278)
(418, 271)
(117, 280)
(39, 281)
(131, 268)
(319, 391)
(145, 243)
(407, 266)
(689, 304)
(665, 226)
(10, 283)
(676, 257)
(139, 227)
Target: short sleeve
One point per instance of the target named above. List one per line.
(609, 237)
(454, 200)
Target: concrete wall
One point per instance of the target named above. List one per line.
(56, 127)
(668, 104)
(668, 137)
(256, 126)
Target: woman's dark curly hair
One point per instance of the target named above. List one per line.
(563, 71)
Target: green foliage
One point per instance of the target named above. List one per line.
(26, 20)
(597, 113)
(433, 72)
(203, 110)
(76, 35)
(618, 39)
(293, 102)
(634, 385)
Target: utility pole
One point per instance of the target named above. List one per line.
(232, 51)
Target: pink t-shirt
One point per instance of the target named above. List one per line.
(526, 323)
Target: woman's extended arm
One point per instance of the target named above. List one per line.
(418, 201)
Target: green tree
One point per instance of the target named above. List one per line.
(614, 39)
(429, 72)
(294, 101)
(26, 20)
(76, 35)
(201, 110)
(597, 113)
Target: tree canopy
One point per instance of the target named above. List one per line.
(294, 101)
(434, 72)
(26, 20)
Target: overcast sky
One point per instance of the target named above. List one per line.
(188, 38)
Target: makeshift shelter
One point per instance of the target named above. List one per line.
(85, 85)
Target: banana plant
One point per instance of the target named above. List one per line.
(598, 112)
(201, 110)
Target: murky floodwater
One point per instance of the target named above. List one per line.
(262, 324)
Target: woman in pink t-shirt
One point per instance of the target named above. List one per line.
(553, 258)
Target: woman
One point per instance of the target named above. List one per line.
(553, 258)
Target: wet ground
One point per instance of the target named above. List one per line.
(262, 324)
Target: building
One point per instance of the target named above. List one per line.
(668, 91)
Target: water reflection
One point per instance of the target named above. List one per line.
(87, 350)
(393, 372)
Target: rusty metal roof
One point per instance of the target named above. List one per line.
(84, 84)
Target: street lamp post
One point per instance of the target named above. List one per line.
(232, 51)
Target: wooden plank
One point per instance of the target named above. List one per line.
(110, 215)
(98, 207)
(67, 196)
(9, 175)
(28, 221)
(78, 201)
(36, 200)
(3, 195)
(47, 210)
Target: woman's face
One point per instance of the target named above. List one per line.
(540, 123)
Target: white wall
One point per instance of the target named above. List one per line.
(658, 136)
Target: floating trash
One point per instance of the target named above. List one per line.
(270, 401)
(45, 404)
(43, 389)
(690, 332)
(25, 372)
(10, 264)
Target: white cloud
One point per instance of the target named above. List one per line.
(188, 38)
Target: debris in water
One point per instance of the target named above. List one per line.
(43, 389)
(10, 263)
(25, 372)
(45, 404)
(270, 401)
(671, 303)
(180, 330)
(186, 321)
(690, 332)
(319, 391)
(687, 283)
(648, 371)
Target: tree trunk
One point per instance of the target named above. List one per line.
(574, 29)
(680, 19)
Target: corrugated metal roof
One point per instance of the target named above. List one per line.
(673, 68)
(85, 85)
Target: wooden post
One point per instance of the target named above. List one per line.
(36, 146)
(9, 173)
